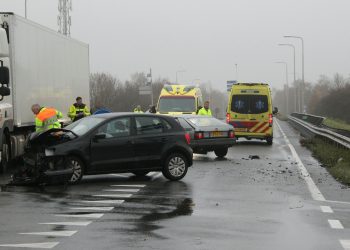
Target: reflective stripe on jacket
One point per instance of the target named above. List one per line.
(203, 111)
(47, 119)
(138, 111)
(77, 109)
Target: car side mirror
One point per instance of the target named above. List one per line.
(275, 110)
(99, 136)
(4, 91)
(4, 75)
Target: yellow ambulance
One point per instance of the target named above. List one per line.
(179, 99)
(250, 111)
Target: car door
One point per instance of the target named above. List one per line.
(111, 146)
(149, 141)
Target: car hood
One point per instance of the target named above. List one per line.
(50, 137)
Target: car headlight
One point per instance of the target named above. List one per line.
(49, 152)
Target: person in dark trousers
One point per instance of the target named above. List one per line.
(78, 110)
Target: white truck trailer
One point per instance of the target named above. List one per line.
(37, 65)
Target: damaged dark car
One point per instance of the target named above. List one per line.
(39, 164)
(107, 143)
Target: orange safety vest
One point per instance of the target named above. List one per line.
(47, 119)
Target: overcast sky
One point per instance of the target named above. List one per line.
(206, 37)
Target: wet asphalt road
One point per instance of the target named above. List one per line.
(235, 203)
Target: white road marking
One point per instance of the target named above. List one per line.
(119, 175)
(152, 174)
(93, 208)
(315, 192)
(326, 209)
(92, 215)
(105, 201)
(345, 244)
(121, 190)
(42, 245)
(53, 233)
(113, 195)
(340, 202)
(335, 224)
(156, 176)
(130, 185)
(68, 223)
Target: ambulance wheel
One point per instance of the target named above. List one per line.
(269, 140)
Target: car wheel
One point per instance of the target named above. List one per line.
(175, 167)
(78, 169)
(5, 154)
(269, 140)
(140, 173)
(221, 152)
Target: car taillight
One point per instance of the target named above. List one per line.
(231, 134)
(228, 118)
(188, 138)
(198, 135)
(270, 120)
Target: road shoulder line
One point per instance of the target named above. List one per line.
(315, 192)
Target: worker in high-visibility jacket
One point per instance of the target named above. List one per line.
(78, 110)
(46, 118)
(138, 109)
(205, 110)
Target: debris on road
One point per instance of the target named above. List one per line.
(254, 157)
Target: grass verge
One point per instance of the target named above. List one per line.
(337, 124)
(335, 159)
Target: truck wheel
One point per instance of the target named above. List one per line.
(269, 140)
(5, 154)
(140, 173)
(78, 169)
(221, 152)
(175, 167)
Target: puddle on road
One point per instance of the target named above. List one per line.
(183, 208)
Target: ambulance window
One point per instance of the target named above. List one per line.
(258, 104)
(240, 104)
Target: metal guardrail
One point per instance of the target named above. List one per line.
(313, 119)
(312, 130)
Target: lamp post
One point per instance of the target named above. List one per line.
(236, 72)
(296, 91)
(302, 89)
(194, 81)
(179, 71)
(25, 9)
(287, 94)
(149, 83)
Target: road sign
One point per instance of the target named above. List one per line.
(229, 84)
(145, 90)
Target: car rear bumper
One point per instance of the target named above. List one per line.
(254, 135)
(212, 144)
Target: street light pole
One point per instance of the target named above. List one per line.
(296, 91)
(287, 90)
(25, 9)
(149, 82)
(236, 72)
(179, 71)
(302, 89)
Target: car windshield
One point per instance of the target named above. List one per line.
(205, 121)
(84, 125)
(177, 104)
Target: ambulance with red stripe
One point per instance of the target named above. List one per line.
(250, 111)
